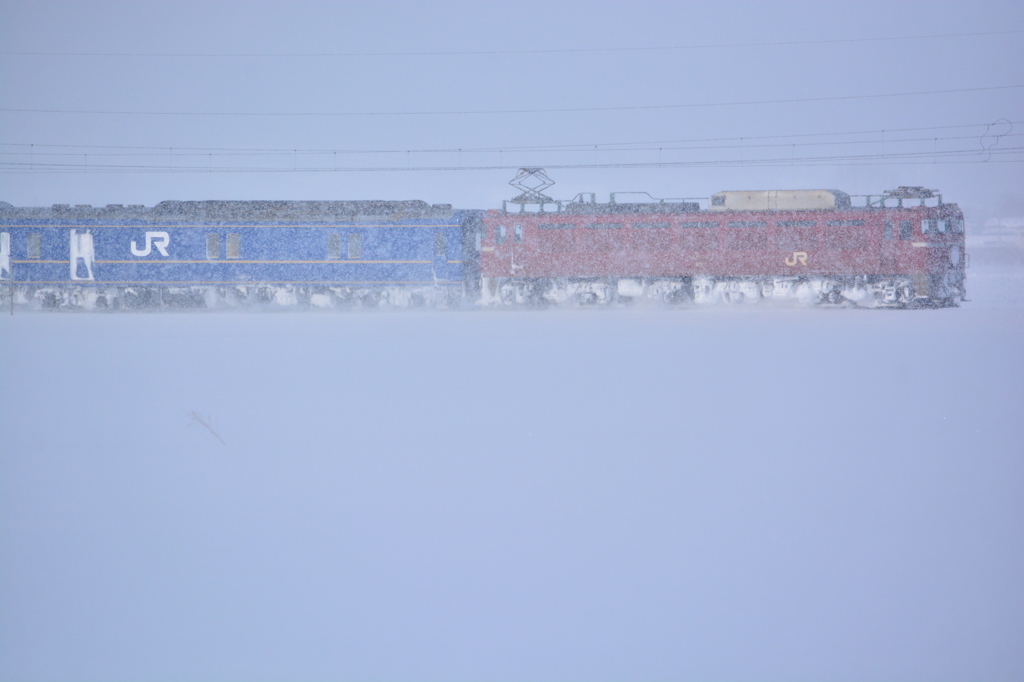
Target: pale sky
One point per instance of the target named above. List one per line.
(399, 84)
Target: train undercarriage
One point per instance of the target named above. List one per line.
(870, 291)
(261, 296)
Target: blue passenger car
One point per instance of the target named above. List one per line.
(223, 253)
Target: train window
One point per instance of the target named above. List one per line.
(556, 226)
(334, 245)
(355, 246)
(517, 233)
(887, 230)
(233, 245)
(212, 245)
(34, 246)
(499, 234)
(797, 223)
(440, 245)
(479, 237)
(748, 223)
(928, 225)
(604, 226)
(705, 224)
(844, 223)
(956, 225)
(941, 225)
(654, 226)
(906, 228)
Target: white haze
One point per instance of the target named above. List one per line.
(642, 493)
(648, 494)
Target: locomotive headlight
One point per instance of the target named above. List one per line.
(954, 255)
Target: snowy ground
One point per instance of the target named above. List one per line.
(625, 494)
(995, 288)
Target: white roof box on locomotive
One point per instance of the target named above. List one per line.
(780, 200)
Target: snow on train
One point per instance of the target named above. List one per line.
(903, 248)
(224, 253)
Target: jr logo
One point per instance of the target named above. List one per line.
(158, 239)
(797, 257)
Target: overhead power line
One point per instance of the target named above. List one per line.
(985, 148)
(455, 53)
(510, 111)
(973, 155)
(249, 153)
(600, 146)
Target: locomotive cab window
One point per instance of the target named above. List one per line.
(887, 230)
(933, 226)
(517, 233)
(440, 245)
(499, 234)
(34, 247)
(906, 230)
(355, 246)
(212, 245)
(233, 245)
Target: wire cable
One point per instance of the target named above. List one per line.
(470, 112)
(607, 146)
(904, 158)
(180, 152)
(456, 53)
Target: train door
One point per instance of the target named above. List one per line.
(516, 253)
(505, 252)
(887, 248)
(894, 233)
(496, 263)
(440, 254)
(5, 255)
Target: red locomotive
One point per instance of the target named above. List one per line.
(903, 248)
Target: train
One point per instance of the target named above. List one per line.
(195, 254)
(904, 248)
